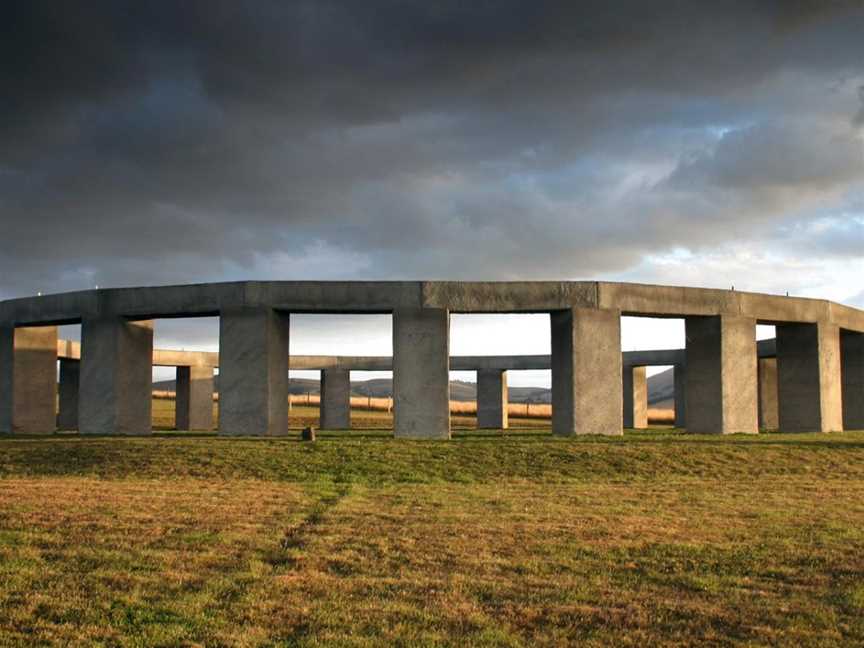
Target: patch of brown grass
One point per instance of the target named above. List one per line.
(186, 562)
(84, 561)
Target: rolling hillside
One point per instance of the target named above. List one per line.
(660, 389)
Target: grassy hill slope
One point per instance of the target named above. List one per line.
(660, 389)
(487, 540)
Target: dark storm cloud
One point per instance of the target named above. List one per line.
(149, 142)
(859, 118)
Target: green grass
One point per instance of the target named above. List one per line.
(492, 539)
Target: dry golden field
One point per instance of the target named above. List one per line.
(515, 539)
(377, 412)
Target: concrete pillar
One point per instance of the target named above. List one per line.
(492, 398)
(679, 375)
(852, 371)
(116, 389)
(635, 396)
(586, 372)
(808, 378)
(7, 377)
(194, 398)
(421, 373)
(722, 391)
(253, 372)
(768, 412)
(335, 399)
(70, 371)
(28, 379)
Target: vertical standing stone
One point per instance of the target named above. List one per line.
(253, 372)
(28, 379)
(852, 370)
(335, 399)
(586, 372)
(768, 412)
(70, 371)
(421, 373)
(492, 399)
(7, 377)
(116, 388)
(679, 375)
(808, 377)
(194, 398)
(722, 393)
(635, 396)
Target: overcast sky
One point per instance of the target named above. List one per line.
(694, 143)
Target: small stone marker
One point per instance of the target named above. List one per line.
(308, 434)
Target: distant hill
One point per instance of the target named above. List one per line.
(661, 389)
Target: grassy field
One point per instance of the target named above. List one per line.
(488, 540)
(305, 415)
(370, 404)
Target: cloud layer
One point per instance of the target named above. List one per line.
(175, 142)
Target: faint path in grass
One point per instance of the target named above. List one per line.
(296, 535)
(639, 541)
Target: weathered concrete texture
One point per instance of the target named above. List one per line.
(653, 357)
(194, 398)
(808, 378)
(383, 297)
(508, 296)
(492, 399)
(852, 371)
(769, 417)
(253, 372)
(679, 375)
(635, 396)
(846, 317)
(7, 377)
(722, 383)
(116, 376)
(421, 373)
(28, 385)
(35, 388)
(178, 358)
(70, 373)
(335, 399)
(678, 301)
(586, 372)
(722, 391)
(175, 358)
